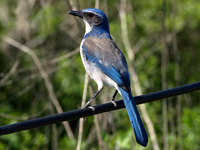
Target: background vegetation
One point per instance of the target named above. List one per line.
(41, 72)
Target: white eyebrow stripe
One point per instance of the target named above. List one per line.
(94, 13)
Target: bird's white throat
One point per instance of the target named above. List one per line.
(88, 28)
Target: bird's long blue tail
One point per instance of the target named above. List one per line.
(134, 116)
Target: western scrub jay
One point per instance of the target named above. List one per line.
(105, 63)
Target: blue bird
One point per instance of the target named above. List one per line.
(105, 63)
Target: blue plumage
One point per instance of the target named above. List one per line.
(107, 57)
(136, 122)
(105, 63)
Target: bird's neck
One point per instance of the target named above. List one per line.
(88, 28)
(96, 31)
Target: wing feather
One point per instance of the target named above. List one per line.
(108, 58)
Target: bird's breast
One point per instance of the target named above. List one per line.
(94, 72)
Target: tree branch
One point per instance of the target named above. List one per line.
(45, 76)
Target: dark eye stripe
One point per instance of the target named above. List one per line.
(90, 14)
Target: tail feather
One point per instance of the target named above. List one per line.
(136, 122)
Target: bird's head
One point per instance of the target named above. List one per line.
(93, 18)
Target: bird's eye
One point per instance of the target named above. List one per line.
(90, 14)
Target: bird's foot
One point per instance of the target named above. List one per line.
(113, 102)
(90, 107)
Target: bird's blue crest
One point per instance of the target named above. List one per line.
(95, 10)
(101, 14)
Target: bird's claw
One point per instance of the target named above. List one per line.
(113, 102)
(90, 107)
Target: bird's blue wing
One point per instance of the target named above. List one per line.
(108, 58)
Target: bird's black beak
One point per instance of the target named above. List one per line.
(76, 13)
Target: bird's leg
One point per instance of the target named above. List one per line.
(112, 100)
(87, 105)
(113, 97)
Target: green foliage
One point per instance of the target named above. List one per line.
(190, 121)
(47, 29)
